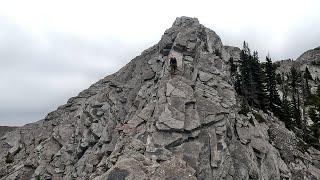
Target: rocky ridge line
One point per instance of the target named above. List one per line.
(144, 123)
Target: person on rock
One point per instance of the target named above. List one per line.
(173, 64)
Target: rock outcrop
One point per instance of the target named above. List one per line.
(5, 129)
(145, 123)
(310, 59)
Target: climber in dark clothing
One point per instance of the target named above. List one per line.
(173, 64)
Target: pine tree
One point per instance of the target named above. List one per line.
(233, 67)
(274, 102)
(279, 79)
(295, 85)
(313, 115)
(259, 81)
(313, 112)
(286, 115)
(238, 85)
(316, 99)
(307, 76)
(318, 91)
(250, 82)
(245, 74)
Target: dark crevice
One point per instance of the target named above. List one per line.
(203, 125)
(180, 142)
(81, 152)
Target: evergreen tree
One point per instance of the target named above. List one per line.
(284, 86)
(245, 74)
(259, 81)
(250, 82)
(286, 115)
(274, 102)
(307, 76)
(279, 79)
(233, 67)
(318, 91)
(295, 85)
(316, 99)
(314, 134)
(313, 115)
(238, 85)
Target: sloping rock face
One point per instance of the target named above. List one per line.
(310, 59)
(233, 52)
(145, 123)
(5, 129)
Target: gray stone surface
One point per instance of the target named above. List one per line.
(144, 123)
(5, 129)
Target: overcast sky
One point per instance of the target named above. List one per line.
(52, 50)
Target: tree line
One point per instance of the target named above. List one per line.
(259, 87)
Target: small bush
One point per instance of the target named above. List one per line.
(312, 140)
(258, 117)
(303, 147)
(251, 121)
(9, 158)
(315, 63)
(244, 108)
(315, 128)
(217, 52)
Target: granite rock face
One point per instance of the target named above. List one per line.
(310, 59)
(145, 123)
(5, 129)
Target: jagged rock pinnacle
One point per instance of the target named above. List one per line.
(185, 21)
(144, 122)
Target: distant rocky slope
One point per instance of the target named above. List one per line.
(5, 129)
(310, 58)
(144, 123)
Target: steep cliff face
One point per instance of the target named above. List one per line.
(145, 123)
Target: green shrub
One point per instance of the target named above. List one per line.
(9, 158)
(258, 117)
(315, 63)
(315, 128)
(244, 107)
(217, 52)
(251, 121)
(302, 146)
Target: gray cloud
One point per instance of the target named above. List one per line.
(47, 58)
(38, 76)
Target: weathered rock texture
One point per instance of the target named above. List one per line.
(144, 123)
(5, 129)
(307, 59)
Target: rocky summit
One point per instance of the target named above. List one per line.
(144, 122)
